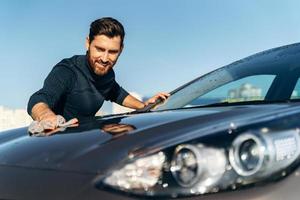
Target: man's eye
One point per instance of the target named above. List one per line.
(99, 49)
(113, 52)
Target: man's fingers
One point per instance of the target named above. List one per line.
(48, 125)
(162, 95)
(152, 100)
(165, 94)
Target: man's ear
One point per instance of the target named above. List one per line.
(87, 43)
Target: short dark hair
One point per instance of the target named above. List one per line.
(107, 26)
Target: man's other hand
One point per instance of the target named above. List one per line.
(161, 95)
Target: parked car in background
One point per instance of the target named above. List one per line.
(230, 134)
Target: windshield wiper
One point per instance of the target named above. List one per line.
(218, 104)
(255, 102)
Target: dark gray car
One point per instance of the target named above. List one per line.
(230, 134)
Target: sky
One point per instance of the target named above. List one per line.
(167, 42)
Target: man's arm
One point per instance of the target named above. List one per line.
(58, 82)
(120, 96)
(41, 111)
(132, 102)
(41, 103)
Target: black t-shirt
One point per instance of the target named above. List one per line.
(72, 89)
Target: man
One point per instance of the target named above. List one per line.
(77, 86)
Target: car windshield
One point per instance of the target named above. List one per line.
(269, 76)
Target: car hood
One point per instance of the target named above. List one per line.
(100, 143)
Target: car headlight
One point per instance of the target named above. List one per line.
(140, 174)
(199, 168)
(259, 154)
(197, 164)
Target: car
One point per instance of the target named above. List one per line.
(230, 134)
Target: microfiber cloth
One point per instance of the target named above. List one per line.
(39, 128)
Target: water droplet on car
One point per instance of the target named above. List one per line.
(131, 156)
(215, 190)
(165, 185)
(232, 125)
(265, 130)
(233, 186)
(239, 180)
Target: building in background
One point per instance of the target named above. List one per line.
(13, 118)
(245, 92)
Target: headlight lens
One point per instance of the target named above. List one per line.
(185, 166)
(199, 168)
(197, 165)
(247, 154)
(254, 155)
(141, 174)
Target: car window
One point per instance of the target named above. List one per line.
(267, 76)
(251, 88)
(296, 91)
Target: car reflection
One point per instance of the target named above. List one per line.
(117, 130)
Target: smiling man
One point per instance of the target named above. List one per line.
(77, 86)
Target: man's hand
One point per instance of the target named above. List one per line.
(42, 113)
(46, 128)
(50, 122)
(162, 95)
(132, 102)
(58, 121)
(47, 121)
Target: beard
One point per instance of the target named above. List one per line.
(99, 67)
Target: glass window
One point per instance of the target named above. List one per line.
(296, 91)
(250, 88)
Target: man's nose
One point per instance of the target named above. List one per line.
(104, 57)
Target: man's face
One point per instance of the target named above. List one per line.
(103, 53)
